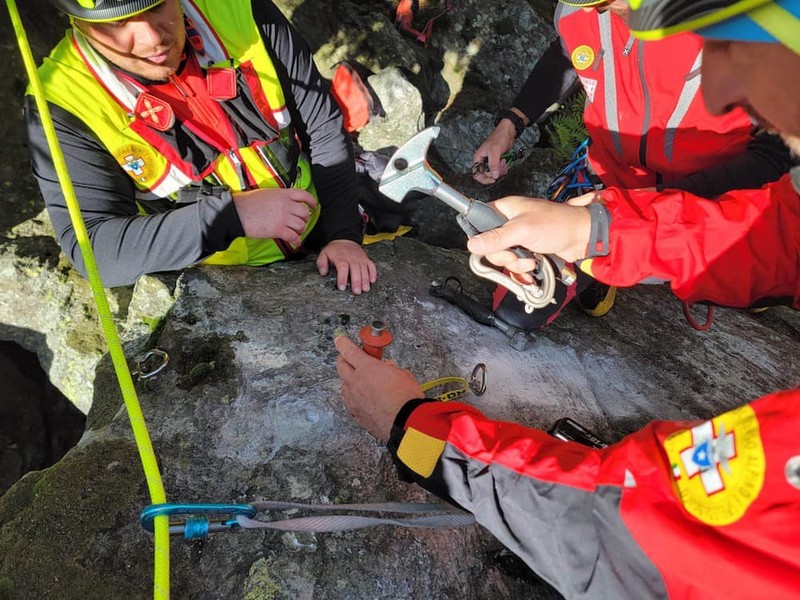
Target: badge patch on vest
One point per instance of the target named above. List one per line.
(582, 57)
(718, 466)
(138, 162)
(590, 85)
(156, 113)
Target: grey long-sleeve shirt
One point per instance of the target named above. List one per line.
(127, 244)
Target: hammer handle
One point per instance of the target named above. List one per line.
(483, 218)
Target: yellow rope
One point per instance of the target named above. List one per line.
(151, 471)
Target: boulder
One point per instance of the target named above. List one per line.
(249, 406)
(249, 409)
(48, 309)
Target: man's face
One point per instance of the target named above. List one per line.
(148, 45)
(764, 79)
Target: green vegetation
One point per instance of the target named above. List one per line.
(565, 127)
(153, 323)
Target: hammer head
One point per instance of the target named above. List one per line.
(408, 169)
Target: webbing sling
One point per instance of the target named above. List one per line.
(441, 516)
(196, 521)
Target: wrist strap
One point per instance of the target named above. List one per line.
(519, 124)
(598, 237)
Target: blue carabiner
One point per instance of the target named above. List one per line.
(195, 523)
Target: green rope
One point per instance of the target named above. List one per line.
(145, 446)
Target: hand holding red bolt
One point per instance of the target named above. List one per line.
(374, 338)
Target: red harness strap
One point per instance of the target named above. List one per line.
(187, 94)
(404, 20)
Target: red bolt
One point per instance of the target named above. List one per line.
(374, 338)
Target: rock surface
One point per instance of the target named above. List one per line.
(249, 405)
(48, 309)
(249, 409)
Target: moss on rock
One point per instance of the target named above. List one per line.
(52, 521)
(261, 584)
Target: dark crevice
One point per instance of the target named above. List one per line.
(38, 425)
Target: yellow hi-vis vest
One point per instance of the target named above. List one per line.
(76, 78)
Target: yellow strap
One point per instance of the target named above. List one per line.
(451, 394)
(779, 23)
(386, 235)
(705, 20)
(146, 453)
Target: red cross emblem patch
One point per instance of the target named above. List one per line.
(156, 113)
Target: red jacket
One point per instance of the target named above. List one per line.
(645, 113)
(736, 250)
(705, 510)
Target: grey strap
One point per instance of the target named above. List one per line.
(598, 237)
(795, 174)
(647, 117)
(375, 507)
(424, 515)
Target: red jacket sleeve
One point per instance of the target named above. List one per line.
(704, 509)
(738, 249)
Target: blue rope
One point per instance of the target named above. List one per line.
(573, 178)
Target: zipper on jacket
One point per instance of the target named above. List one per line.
(174, 81)
(239, 169)
(647, 109)
(626, 51)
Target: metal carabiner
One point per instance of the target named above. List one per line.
(477, 380)
(151, 363)
(510, 157)
(195, 524)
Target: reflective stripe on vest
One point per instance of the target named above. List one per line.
(685, 98)
(688, 93)
(610, 81)
(77, 79)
